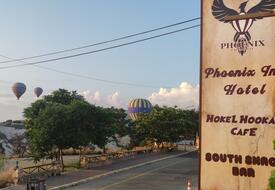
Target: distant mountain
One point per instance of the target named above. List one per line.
(17, 124)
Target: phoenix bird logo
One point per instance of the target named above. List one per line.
(242, 35)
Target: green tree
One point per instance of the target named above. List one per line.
(50, 132)
(165, 124)
(111, 122)
(272, 181)
(139, 134)
(51, 124)
(272, 177)
(84, 119)
(63, 96)
(65, 120)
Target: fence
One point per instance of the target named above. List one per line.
(43, 170)
(186, 147)
(104, 159)
(55, 168)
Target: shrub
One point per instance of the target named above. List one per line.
(272, 181)
(8, 177)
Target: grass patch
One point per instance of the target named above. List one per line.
(71, 166)
(1, 162)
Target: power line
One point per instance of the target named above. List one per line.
(99, 79)
(99, 50)
(100, 43)
(89, 77)
(94, 78)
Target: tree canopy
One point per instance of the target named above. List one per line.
(54, 124)
(165, 124)
(64, 119)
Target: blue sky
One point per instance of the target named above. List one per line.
(36, 27)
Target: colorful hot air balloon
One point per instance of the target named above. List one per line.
(138, 106)
(38, 91)
(18, 89)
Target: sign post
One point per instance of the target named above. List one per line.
(237, 100)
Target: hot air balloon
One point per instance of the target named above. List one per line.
(38, 91)
(138, 106)
(18, 89)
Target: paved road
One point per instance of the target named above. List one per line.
(82, 174)
(168, 174)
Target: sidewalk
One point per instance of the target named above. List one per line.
(87, 173)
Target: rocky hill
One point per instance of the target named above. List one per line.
(8, 130)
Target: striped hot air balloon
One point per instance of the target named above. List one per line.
(138, 106)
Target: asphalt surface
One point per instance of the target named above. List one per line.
(83, 174)
(170, 174)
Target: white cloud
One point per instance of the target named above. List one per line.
(92, 97)
(184, 96)
(114, 100)
(106, 101)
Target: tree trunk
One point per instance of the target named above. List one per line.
(80, 155)
(57, 157)
(61, 159)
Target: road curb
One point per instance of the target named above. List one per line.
(115, 171)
